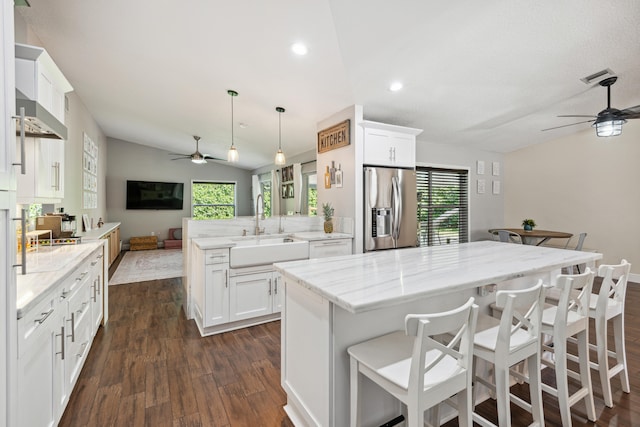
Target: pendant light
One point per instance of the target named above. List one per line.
(280, 159)
(232, 154)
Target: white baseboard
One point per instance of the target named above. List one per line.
(633, 277)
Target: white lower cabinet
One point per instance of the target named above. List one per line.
(95, 290)
(39, 355)
(216, 306)
(251, 295)
(211, 286)
(227, 298)
(54, 339)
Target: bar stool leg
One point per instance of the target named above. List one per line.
(621, 353)
(562, 386)
(535, 389)
(585, 373)
(603, 359)
(501, 372)
(354, 385)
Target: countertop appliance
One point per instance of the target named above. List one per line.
(390, 208)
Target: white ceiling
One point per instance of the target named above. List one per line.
(488, 75)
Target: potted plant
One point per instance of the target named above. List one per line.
(528, 224)
(327, 211)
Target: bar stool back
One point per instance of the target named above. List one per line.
(570, 318)
(513, 338)
(607, 305)
(417, 369)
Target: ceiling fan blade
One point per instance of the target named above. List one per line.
(578, 115)
(179, 154)
(209, 157)
(631, 113)
(564, 126)
(182, 157)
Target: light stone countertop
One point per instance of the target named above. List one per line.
(47, 268)
(320, 235)
(205, 243)
(372, 280)
(95, 233)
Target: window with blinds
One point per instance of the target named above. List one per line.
(443, 206)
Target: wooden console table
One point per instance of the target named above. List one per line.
(143, 243)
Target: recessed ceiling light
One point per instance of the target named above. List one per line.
(395, 86)
(299, 49)
(243, 125)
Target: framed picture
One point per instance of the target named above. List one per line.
(85, 222)
(339, 178)
(289, 191)
(284, 191)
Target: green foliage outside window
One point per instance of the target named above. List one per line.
(213, 200)
(312, 195)
(266, 197)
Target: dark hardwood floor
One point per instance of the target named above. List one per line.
(150, 367)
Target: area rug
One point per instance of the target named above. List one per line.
(141, 266)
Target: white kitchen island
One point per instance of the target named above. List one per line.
(333, 303)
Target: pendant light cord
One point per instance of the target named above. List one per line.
(232, 140)
(280, 130)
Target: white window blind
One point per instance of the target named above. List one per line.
(443, 206)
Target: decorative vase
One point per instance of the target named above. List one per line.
(528, 228)
(328, 226)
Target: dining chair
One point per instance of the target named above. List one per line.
(578, 247)
(507, 341)
(569, 318)
(422, 366)
(507, 236)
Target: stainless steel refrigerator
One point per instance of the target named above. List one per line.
(390, 208)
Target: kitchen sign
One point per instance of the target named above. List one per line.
(336, 136)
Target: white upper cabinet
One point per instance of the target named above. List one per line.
(7, 101)
(39, 79)
(389, 145)
(44, 178)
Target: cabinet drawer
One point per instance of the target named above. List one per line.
(34, 323)
(216, 256)
(328, 248)
(79, 300)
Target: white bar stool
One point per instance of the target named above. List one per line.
(417, 369)
(607, 305)
(513, 338)
(567, 319)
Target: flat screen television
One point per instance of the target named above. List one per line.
(154, 195)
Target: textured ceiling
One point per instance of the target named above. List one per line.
(488, 75)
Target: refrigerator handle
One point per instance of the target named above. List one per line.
(397, 209)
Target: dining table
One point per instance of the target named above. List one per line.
(535, 236)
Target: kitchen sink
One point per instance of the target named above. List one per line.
(267, 250)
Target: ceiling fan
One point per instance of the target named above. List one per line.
(196, 157)
(609, 121)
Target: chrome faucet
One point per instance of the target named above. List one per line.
(258, 215)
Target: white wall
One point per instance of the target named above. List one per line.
(129, 161)
(346, 201)
(581, 183)
(485, 210)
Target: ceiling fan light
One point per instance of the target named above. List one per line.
(280, 159)
(607, 128)
(198, 161)
(232, 154)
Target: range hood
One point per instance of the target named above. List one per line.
(39, 122)
(38, 80)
